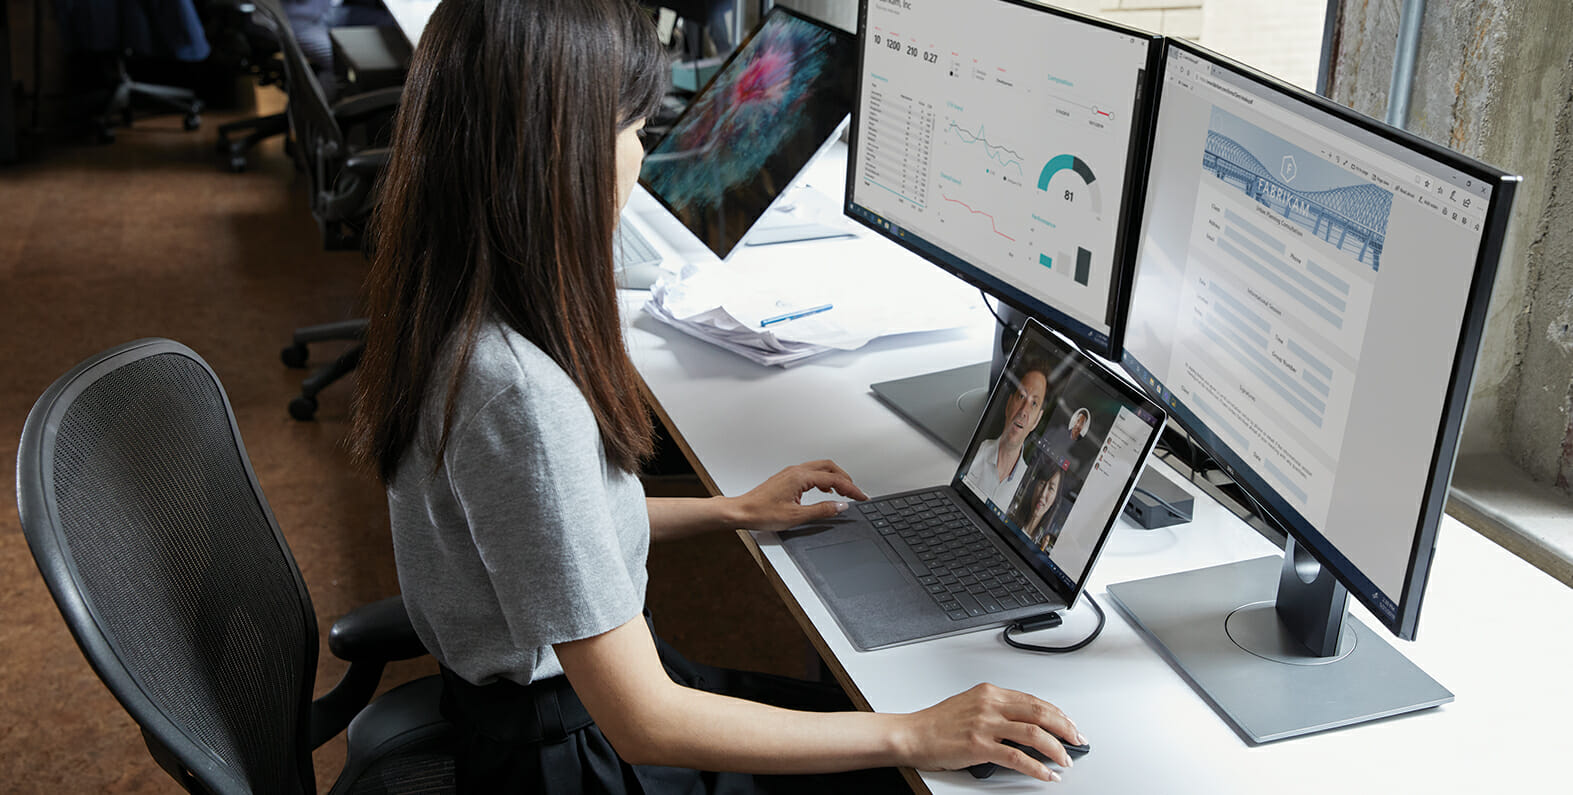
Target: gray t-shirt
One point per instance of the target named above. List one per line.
(524, 535)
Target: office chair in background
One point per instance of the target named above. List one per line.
(339, 149)
(114, 30)
(363, 57)
(144, 516)
(256, 52)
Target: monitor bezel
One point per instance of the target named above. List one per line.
(1456, 397)
(1132, 198)
(846, 38)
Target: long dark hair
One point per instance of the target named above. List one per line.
(500, 199)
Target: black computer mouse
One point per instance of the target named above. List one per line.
(986, 769)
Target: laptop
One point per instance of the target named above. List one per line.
(778, 102)
(1017, 530)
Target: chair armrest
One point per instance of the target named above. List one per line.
(355, 108)
(334, 711)
(367, 163)
(353, 191)
(379, 631)
(368, 637)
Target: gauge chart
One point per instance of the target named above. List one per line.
(1071, 189)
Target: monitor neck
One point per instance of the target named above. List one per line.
(1311, 602)
(1006, 329)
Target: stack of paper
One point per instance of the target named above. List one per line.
(779, 307)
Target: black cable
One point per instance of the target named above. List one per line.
(1096, 631)
(996, 315)
(1176, 512)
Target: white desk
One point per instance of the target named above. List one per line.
(411, 16)
(1494, 629)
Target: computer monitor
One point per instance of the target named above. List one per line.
(743, 139)
(1308, 300)
(1004, 141)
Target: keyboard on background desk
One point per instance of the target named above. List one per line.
(635, 259)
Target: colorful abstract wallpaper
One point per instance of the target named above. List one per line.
(745, 137)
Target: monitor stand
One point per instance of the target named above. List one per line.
(1248, 650)
(769, 234)
(948, 404)
(788, 219)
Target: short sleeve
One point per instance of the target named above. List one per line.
(529, 477)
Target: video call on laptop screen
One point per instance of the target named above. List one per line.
(1055, 454)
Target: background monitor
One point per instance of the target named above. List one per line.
(1004, 141)
(1308, 300)
(746, 135)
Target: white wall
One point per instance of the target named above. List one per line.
(1280, 37)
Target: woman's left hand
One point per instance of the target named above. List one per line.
(777, 504)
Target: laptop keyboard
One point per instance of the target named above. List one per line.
(633, 249)
(964, 573)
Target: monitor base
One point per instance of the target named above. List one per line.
(769, 234)
(946, 404)
(1217, 626)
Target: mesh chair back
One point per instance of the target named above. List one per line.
(146, 520)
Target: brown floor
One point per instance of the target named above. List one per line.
(148, 237)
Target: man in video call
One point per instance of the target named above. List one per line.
(1056, 442)
(998, 466)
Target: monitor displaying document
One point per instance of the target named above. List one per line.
(1309, 295)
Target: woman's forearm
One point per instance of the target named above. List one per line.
(680, 517)
(697, 729)
(776, 504)
(650, 719)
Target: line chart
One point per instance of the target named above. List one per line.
(993, 150)
(992, 225)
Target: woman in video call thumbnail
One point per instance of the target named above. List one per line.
(1041, 507)
(1044, 499)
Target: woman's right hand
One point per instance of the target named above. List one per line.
(967, 728)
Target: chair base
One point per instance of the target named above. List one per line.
(124, 98)
(303, 407)
(257, 129)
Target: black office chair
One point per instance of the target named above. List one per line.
(365, 58)
(254, 51)
(338, 148)
(145, 518)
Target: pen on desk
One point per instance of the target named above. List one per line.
(813, 310)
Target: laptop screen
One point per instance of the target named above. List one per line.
(743, 139)
(1056, 454)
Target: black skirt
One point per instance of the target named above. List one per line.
(539, 738)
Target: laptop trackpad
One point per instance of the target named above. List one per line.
(854, 568)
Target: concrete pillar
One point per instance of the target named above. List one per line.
(1494, 80)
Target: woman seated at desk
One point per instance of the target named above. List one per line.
(498, 405)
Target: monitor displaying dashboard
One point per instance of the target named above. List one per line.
(1308, 299)
(1004, 141)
